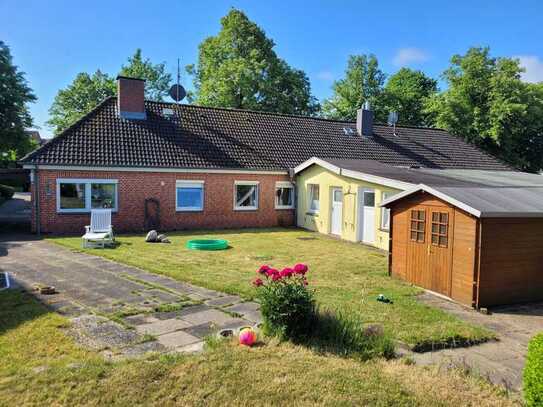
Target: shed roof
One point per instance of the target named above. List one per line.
(482, 193)
(485, 201)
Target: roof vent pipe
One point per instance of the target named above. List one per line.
(364, 120)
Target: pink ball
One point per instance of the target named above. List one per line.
(247, 336)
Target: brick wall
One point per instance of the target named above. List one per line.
(135, 187)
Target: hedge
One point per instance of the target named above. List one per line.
(533, 372)
(6, 192)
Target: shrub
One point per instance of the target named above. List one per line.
(286, 303)
(533, 372)
(6, 192)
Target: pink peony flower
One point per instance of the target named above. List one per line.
(258, 282)
(263, 269)
(287, 272)
(276, 276)
(270, 272)
(300, 268)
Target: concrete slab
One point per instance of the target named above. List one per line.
(223, 301)
(177, 339)
(211, 315)
(162, 327)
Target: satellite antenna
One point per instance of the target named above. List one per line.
(392, 120)
(177, 92)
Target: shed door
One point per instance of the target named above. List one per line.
(428, 248)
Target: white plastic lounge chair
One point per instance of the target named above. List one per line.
(100, 231)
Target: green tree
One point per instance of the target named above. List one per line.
(406, 92)
(363, 82)
(487, 104)
(239, 68)
(157, 80)
(79, 98)
(15, 94)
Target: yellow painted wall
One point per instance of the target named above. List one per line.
(321, 222)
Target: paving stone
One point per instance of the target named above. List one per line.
(140, 319)
(248, 310)
(101, 333)
(143, 348)
(162, 327)
(223, 301)
(162, 296)
(167, 315)
(202, 330)
(177, 339)
(210, 315)
(191, 309)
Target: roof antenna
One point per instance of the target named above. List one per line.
(392, 120)
(177, 92)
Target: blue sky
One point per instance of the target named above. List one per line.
(54, 40)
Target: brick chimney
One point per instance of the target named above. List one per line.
(364, 120)
(130, 98)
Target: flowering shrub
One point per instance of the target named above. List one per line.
(286, 303)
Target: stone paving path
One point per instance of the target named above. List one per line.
(122, 310)
(499, 361)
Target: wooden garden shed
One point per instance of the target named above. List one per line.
(480, 245)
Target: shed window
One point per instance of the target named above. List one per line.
(440, 229)
(418, 226)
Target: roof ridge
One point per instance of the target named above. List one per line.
(299, 116)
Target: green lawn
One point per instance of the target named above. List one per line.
(346, 276)
(41, 365)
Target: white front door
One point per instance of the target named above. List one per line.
(366, 215)
(337, 211)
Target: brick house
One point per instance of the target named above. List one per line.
(178, 167)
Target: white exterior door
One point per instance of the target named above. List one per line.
(337, 211)
(366, 215)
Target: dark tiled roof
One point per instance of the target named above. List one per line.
(202, 137)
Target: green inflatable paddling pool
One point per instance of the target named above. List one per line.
(207, 244)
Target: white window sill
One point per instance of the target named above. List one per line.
(189, 209)
(246, 208)
(80, 211)
(284, 207)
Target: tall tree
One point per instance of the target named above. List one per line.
(363, 82)
(87, 91)
(239, 68)
(79, 98)
(157, 80)
(15, 94)
(406, 92)
(487, 104)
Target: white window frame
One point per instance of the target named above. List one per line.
(189, 184)
(284, 185)
(88, 197)
(310, 198)
(385, 195)
(246, 208)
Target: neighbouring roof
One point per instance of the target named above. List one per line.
(213, 138)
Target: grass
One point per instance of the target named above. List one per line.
(42, 366)
(346, 276)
